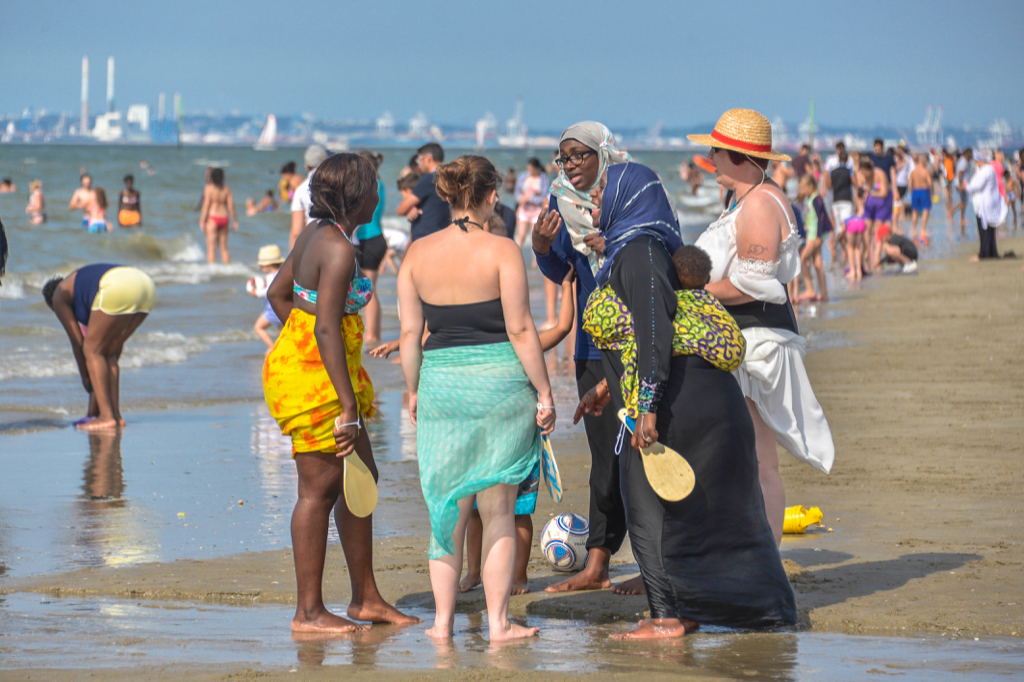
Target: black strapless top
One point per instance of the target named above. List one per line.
(762, 314)
(464, 324)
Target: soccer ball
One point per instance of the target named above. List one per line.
(564, 542)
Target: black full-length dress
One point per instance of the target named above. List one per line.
(710, 558)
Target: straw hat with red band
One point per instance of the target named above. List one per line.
(744, 131)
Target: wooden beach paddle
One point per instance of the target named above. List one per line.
(668, 473)
(360, 488)
(358, 485)
(549, 468)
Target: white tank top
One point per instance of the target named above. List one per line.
(719, 241)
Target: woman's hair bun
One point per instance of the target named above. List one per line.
(465, 182)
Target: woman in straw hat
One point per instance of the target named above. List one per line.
(754, 248)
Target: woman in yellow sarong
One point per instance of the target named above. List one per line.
(319, 393)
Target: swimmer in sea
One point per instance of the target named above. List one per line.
(129, 204)
(268, 204)
(36, 208)
(7, 186)
(218, 208)
(100, 306)
(96, 212)
(82, 198)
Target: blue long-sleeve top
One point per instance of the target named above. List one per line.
(555, 265)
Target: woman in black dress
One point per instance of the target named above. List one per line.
(711, 557)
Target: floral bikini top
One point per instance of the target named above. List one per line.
(360, 291)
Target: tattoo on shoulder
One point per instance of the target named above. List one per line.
(756, 250)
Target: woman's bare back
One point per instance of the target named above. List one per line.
(452, 267)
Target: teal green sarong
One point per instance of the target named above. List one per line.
(476, 427)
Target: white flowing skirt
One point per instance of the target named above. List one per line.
(773, 376)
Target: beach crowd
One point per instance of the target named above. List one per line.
(688, 358)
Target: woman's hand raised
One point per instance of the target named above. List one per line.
(545, 229)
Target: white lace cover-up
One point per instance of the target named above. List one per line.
(772, 374)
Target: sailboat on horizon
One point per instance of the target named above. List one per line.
(268, 138)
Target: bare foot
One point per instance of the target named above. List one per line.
(99, 425)
(441, 630)
(584, 580)
(326, 622)
(631, 586)
(823, 299)
(513, 631)
(520, 586)
(381, 612)
(972, 259)
(470, 582)
(658, 628)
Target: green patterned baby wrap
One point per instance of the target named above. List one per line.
(476, 427)
(702, 327)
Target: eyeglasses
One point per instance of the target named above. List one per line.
(573, 160)
(711, 152)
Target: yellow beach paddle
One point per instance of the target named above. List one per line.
(360, 488)
(358, 485)
(668, 473)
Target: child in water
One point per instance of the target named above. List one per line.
(269, 260)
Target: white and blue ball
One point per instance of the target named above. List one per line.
(564, 542)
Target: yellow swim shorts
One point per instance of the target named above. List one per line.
(125, 291)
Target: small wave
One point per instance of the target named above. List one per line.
(29, 330)
(196, 273)
(12, 289)
(216, 163)
(44, 359)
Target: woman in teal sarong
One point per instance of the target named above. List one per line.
(478, 388)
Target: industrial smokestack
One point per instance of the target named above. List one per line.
(110, 85)
(83, 128)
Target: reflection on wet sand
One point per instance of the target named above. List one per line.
(108, 532)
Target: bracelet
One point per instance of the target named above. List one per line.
(341, 426)
(541, 406)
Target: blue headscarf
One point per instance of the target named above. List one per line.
(634, 203)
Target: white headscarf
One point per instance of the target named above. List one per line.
(575, 204)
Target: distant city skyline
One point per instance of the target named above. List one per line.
(869, 64)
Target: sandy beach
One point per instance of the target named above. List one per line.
(923, 385)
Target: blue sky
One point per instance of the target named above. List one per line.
(627, 63)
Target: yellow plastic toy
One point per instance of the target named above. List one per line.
(798, 518)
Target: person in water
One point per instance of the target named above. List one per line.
(97, 212)
(290, 181)
(7, 186)
(479, 393)
(36, 208)
(320, 394)
(129, 204)
(268, 204)
(82, 198)
(100, 306)
(218, 208)
(710, 558)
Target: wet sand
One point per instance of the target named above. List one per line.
(924, 502)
